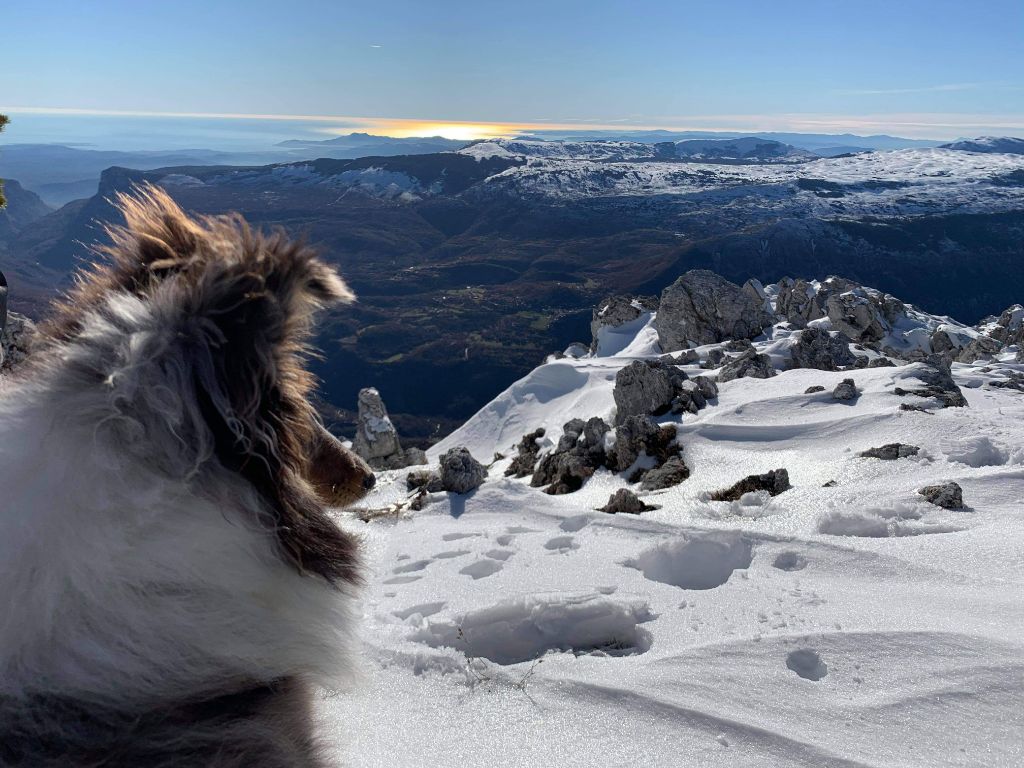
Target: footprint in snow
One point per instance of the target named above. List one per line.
(451, 553)
(416, 565)
(561, 544)
(790, 561)
(481, 569)
(499, 554)
(807, 664)
(402, 579)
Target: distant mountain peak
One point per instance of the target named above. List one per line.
(1008, 145)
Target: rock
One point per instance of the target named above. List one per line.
(526, 458)
(672, 472)
(614, 311)
(774, 482)
(853, 314)
(460, 472)
(938, 383)
(813, 389)
(891, 452)
(1008, 328)
(424, 479)
(749, 364)
(817, 348)
(376, 438)
(16, 341)
(624, 501)
(881, 362)
(640, 435)
(645, 387)
(579, 453)
(686, 357)
(947, 495)
(795, 301)
(845, 390)
(714, 359)
(703, 308)
(706, 386)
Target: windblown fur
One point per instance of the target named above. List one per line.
(170, 584)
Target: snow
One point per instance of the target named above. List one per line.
(852, 625)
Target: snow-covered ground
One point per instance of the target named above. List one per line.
(850, 625)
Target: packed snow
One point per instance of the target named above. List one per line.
(843, 622)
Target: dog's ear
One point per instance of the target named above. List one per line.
(232, 314)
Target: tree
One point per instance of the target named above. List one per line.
(3, 121)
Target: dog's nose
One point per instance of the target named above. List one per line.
(369, 481)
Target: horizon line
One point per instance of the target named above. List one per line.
(935, 124)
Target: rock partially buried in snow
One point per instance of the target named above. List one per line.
(891, 452)
(814, 389)
(580, 451)
(671, 473)
(645, 387)
(938, 383)
(845, 390)
(526, 458)
(616, 311)
(817, 348)
(796, 302)
(775, 482)
(704, 308)
(460, 472)
(807, 664)
(749, 364)
(625, 502)
(946, 495)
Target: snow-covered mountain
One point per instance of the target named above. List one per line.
(746, 149)
(855, 598)
(999, 144)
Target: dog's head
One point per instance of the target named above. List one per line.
(214, 318)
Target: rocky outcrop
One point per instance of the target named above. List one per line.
(641, 436)
(704, 308)
(654, 387)
(625, 502)
(16, 341)
(376, 439)
(579, 453)
(796, 302)
(460, 472)
(938, 384)
(845, 390)
(817, 348)
(946, 495)
(525, 460)
(774, 482)
(614, 311)
(891, 452)
(749, 364)
(863, 314)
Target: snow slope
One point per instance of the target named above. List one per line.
(852, 625)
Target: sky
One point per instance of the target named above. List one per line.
(930, 69)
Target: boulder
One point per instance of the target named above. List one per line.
(672, 472)
(938, 383)
(891, 452)
(714, 359)
(774, 482)
(855, 315)
(704, 308)
(814, 388)
(795, 301)
(460, 472)
(376, 439)
(817, 348)
(946, 495)
(645, 387)
(16, 341)
(845, 390)
(625, 502)
(641, 435)
(579, 453)
(749, 364)
(526, 458)
(613, 311)
(881, 362)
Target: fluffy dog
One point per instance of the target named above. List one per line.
(171, 588)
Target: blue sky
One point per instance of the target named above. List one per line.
(936, 68)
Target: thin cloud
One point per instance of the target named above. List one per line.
(944, 88)
(376, 46)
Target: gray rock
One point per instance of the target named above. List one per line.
(16, 341)
(641, 435)
(775, 482)
(938, 384)
(624, 501)
(376, 438)
(855, 315)
(812, 389)
(817, 348)
(881, 362)
(424, 479)
(415, 456)
(671, 473)
(703, 308)
(749, 364)
(714, 359)
(579, 453)
(947, 495)
(614, 311)
(706, 386)
(891, 452)
(645, 387)
(460, 472)
(795, 301)
(526, 458)
(845, 390)
(1008, 328)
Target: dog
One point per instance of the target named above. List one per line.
(172, 590)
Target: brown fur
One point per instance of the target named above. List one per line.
(268, 287)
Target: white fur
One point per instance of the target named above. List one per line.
(134, 569)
